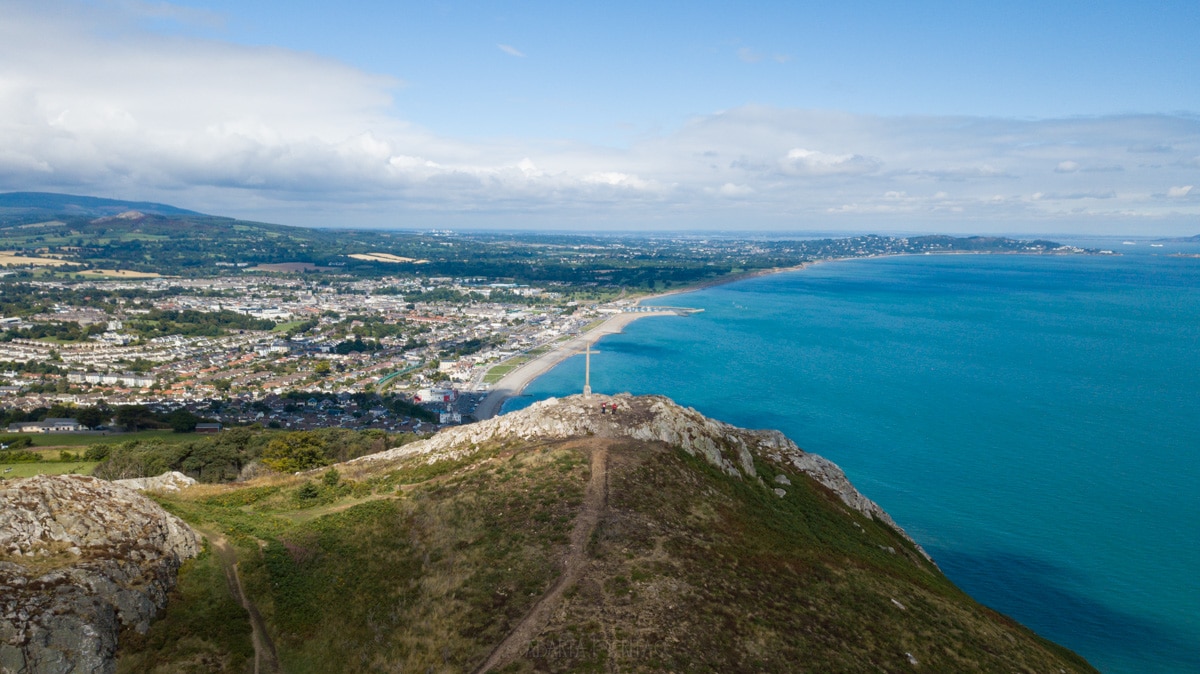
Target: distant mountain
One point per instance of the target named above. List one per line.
(106, 234)
(22, 205)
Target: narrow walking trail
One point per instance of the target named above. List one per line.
(266, 661)
(594, 502)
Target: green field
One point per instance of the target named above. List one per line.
(10, 471)
(94, 438)
(284, 327)
(496, 373)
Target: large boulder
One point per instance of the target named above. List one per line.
(81, 559)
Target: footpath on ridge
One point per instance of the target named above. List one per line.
(594, 502)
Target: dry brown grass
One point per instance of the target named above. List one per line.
(385, 257)
(8, 257)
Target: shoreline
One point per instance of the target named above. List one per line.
(514, 383)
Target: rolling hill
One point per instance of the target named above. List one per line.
(561, 539)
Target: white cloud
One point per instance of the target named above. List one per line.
(91, 104)
(731, 190)
(802, 161)
(510, 50)
(617, 179)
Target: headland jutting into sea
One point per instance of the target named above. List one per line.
(1027, 418)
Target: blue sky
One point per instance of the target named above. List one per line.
(920, 116)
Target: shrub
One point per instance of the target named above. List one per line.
(308, 491)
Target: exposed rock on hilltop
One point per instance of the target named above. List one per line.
(168, 482)
(653, 418)
(80, 559)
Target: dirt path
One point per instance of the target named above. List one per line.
(265, 659)
(594, 502)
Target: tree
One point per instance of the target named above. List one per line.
(293, 452)
(322, 367)
(183, 421)
(132, 416)
(91, 416)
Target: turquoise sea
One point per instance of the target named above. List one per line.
(1034, 422)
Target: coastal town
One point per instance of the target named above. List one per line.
(329, 342)
(227, 325)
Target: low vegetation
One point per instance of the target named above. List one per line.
(203, 629)
(407, 565)
(223, 457)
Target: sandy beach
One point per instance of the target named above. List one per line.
(513, 383)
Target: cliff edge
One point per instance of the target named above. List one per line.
(647, 418)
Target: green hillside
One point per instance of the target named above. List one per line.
(591, 553)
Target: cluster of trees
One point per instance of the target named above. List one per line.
(25, 299)
(191, 323)
(398, 405)
(135, 418)
(473, 345)
(222, 457)
(444, 295)
(64, 331)
(129, 417)
(302, 327)
(32, 366)
(58, 410)
(356, 345)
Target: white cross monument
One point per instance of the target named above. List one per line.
(587, 370)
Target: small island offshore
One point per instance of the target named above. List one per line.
(611, 533)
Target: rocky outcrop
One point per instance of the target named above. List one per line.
(651, 418)
(80, 559)
(166, 483)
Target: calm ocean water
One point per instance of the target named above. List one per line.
(1034, 422)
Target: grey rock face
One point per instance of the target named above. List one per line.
(651, 418)
(81, 558)
(165, 483)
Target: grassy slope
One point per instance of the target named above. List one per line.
(413, 567)
(203, 629)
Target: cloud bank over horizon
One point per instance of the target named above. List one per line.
(95, 104)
